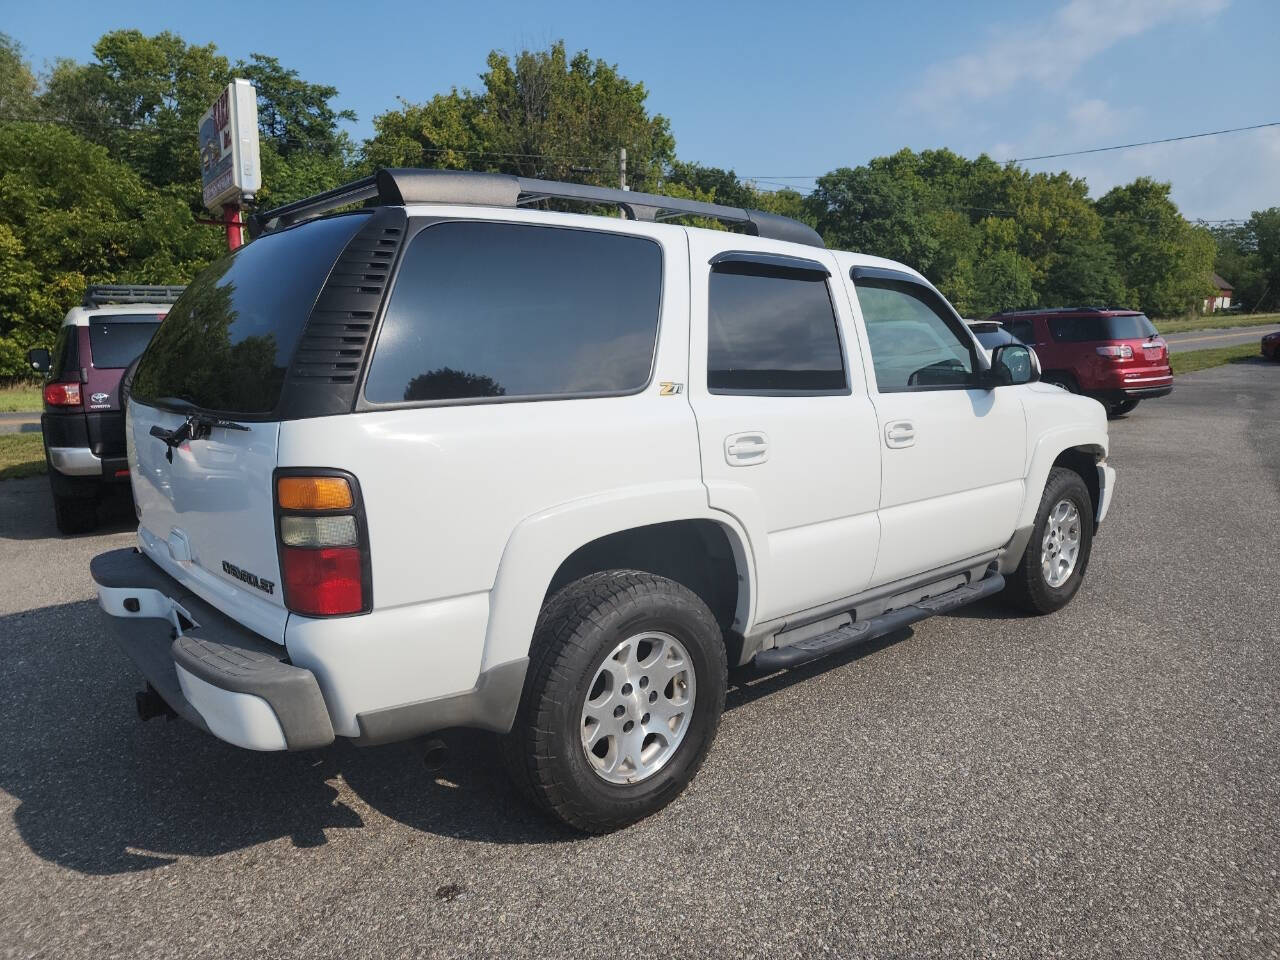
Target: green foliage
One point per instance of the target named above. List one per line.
(1248, 257)
(539, 114)
(17, 82)
(1165, 260)
(70, 215)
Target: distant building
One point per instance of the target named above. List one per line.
(1223, 298)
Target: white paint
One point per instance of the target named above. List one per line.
(472, 507)
(238, 718)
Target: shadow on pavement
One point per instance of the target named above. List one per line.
(26, 510)
(100, 792)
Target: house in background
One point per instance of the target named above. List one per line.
(1222, 299)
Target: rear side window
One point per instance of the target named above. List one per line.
(227, 343)
(117, 342)
(1084, 329)
(66, 354)
(486, 310)
(771, 330)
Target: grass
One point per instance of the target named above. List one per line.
(21, 455)
(20, 398)
(1218, 321)
(1193, 360)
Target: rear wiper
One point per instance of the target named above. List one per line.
(197, 426)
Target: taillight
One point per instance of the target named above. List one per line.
(62, 394)
(1122, 352)
(324, 553)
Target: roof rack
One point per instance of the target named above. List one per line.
(99, 295)
(390, 187)
(1041, 310)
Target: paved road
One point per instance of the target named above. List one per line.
(1100, 783)
(19, 422)
(1208, 339)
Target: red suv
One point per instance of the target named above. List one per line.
(1114, 356)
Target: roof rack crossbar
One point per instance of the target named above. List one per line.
(401, 186)
(101, 294)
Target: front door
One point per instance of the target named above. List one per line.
(954, 454)
(788, 435)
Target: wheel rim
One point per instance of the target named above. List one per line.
(1060, 549)
(638, 707)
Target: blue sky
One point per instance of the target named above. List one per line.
(778, 91)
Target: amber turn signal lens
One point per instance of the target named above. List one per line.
(313, 493)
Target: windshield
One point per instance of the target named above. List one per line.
(228, 341)
(117, 342)
(1132, 326)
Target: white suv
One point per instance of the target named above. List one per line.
(449, 460)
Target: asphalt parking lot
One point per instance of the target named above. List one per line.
(1103, 782)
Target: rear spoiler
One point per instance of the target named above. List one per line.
(396, 187)
(99, 295)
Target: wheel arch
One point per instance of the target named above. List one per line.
(668, 532)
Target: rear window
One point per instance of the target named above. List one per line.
(227, 343)
(1081, 329)
(117, 342)
(486, 310)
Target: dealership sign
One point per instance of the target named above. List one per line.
(229, 167)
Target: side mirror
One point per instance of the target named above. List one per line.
(39, 359)
(1013, 364)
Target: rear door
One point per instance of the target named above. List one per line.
(205, 506)
(953, 454)
(787, 433)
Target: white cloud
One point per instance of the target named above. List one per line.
(1048, 52)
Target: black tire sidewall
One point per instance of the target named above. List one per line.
(1063, 484)
(672, 610)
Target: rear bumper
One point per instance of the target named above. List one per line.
(212, 671)
(1132, 393)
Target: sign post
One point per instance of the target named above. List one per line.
(230, 169)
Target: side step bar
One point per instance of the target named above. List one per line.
(859, 632)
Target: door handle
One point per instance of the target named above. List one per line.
(745, 449)
(899, 433)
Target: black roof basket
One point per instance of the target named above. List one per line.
(390, 187)
(99, 295)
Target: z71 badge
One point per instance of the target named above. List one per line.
(266, 586)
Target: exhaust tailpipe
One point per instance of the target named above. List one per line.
(435, 753)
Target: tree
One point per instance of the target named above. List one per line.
(17, 82)
(71, 215)
(1162, 257)
(539, 114)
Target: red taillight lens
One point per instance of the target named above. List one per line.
(62, 394)
(323, 582)
(1122, 352)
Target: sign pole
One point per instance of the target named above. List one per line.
(231, 217)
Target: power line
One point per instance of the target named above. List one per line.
(1143, 143)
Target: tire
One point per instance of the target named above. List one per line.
(74, 514)
(1118, 408)
(1065, 380)
(1029, 587)
(578, 632)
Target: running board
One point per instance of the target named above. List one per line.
(859, 632)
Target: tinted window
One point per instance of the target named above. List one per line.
(994, 338)
(228, 341)
(118, 342)
(515, 310)
(914, 343)
(66, 354)
(1081, 329)
(1024, 330)
(770, 329)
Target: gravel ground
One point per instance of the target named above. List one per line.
(1103, 782)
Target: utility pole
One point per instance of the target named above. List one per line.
(622, 168)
